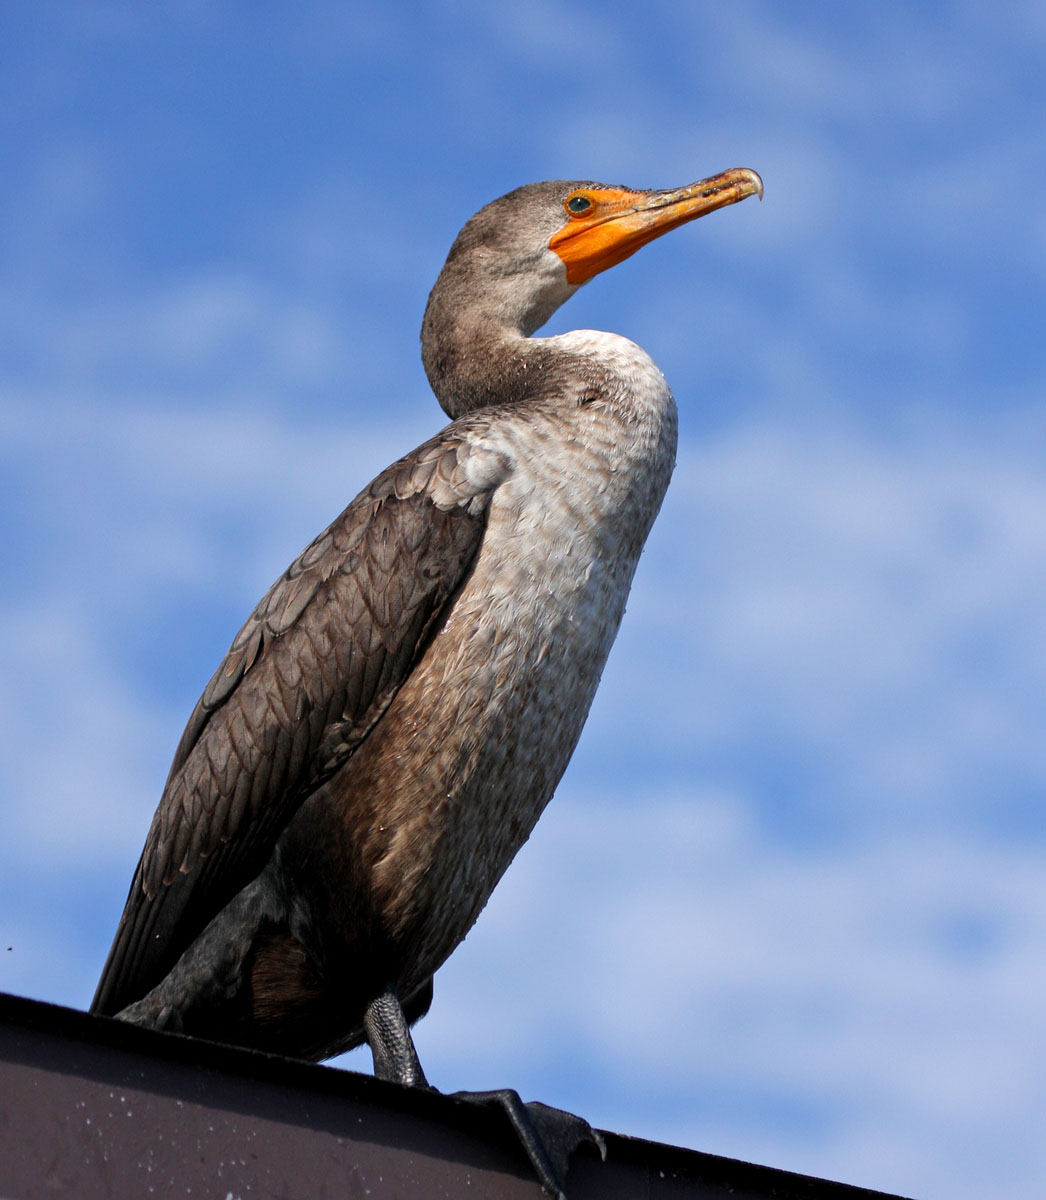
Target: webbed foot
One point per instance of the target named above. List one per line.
(549, 1136)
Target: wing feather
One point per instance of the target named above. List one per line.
(305, 680)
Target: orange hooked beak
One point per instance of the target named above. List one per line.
(606, 225)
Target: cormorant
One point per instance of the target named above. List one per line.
(394, 716)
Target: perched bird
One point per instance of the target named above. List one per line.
(394, 716)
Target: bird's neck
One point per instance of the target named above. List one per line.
(477, 364)
(475, 337)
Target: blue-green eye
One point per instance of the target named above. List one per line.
(578, 204)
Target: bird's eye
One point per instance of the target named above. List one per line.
(578, 204)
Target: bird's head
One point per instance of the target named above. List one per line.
(519, 258)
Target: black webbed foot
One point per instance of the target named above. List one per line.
(549, 1136)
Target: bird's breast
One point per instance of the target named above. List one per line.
(469, 753)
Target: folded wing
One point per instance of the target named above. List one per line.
(306, 679)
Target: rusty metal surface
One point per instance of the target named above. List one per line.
(95, 1109)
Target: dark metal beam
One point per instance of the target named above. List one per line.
(96, 1109)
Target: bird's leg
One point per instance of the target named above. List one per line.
(548, 1135)
(388, 1033)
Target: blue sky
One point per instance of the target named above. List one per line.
(789, 902)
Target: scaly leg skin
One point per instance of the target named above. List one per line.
(548, 1135)
(388, 1034)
